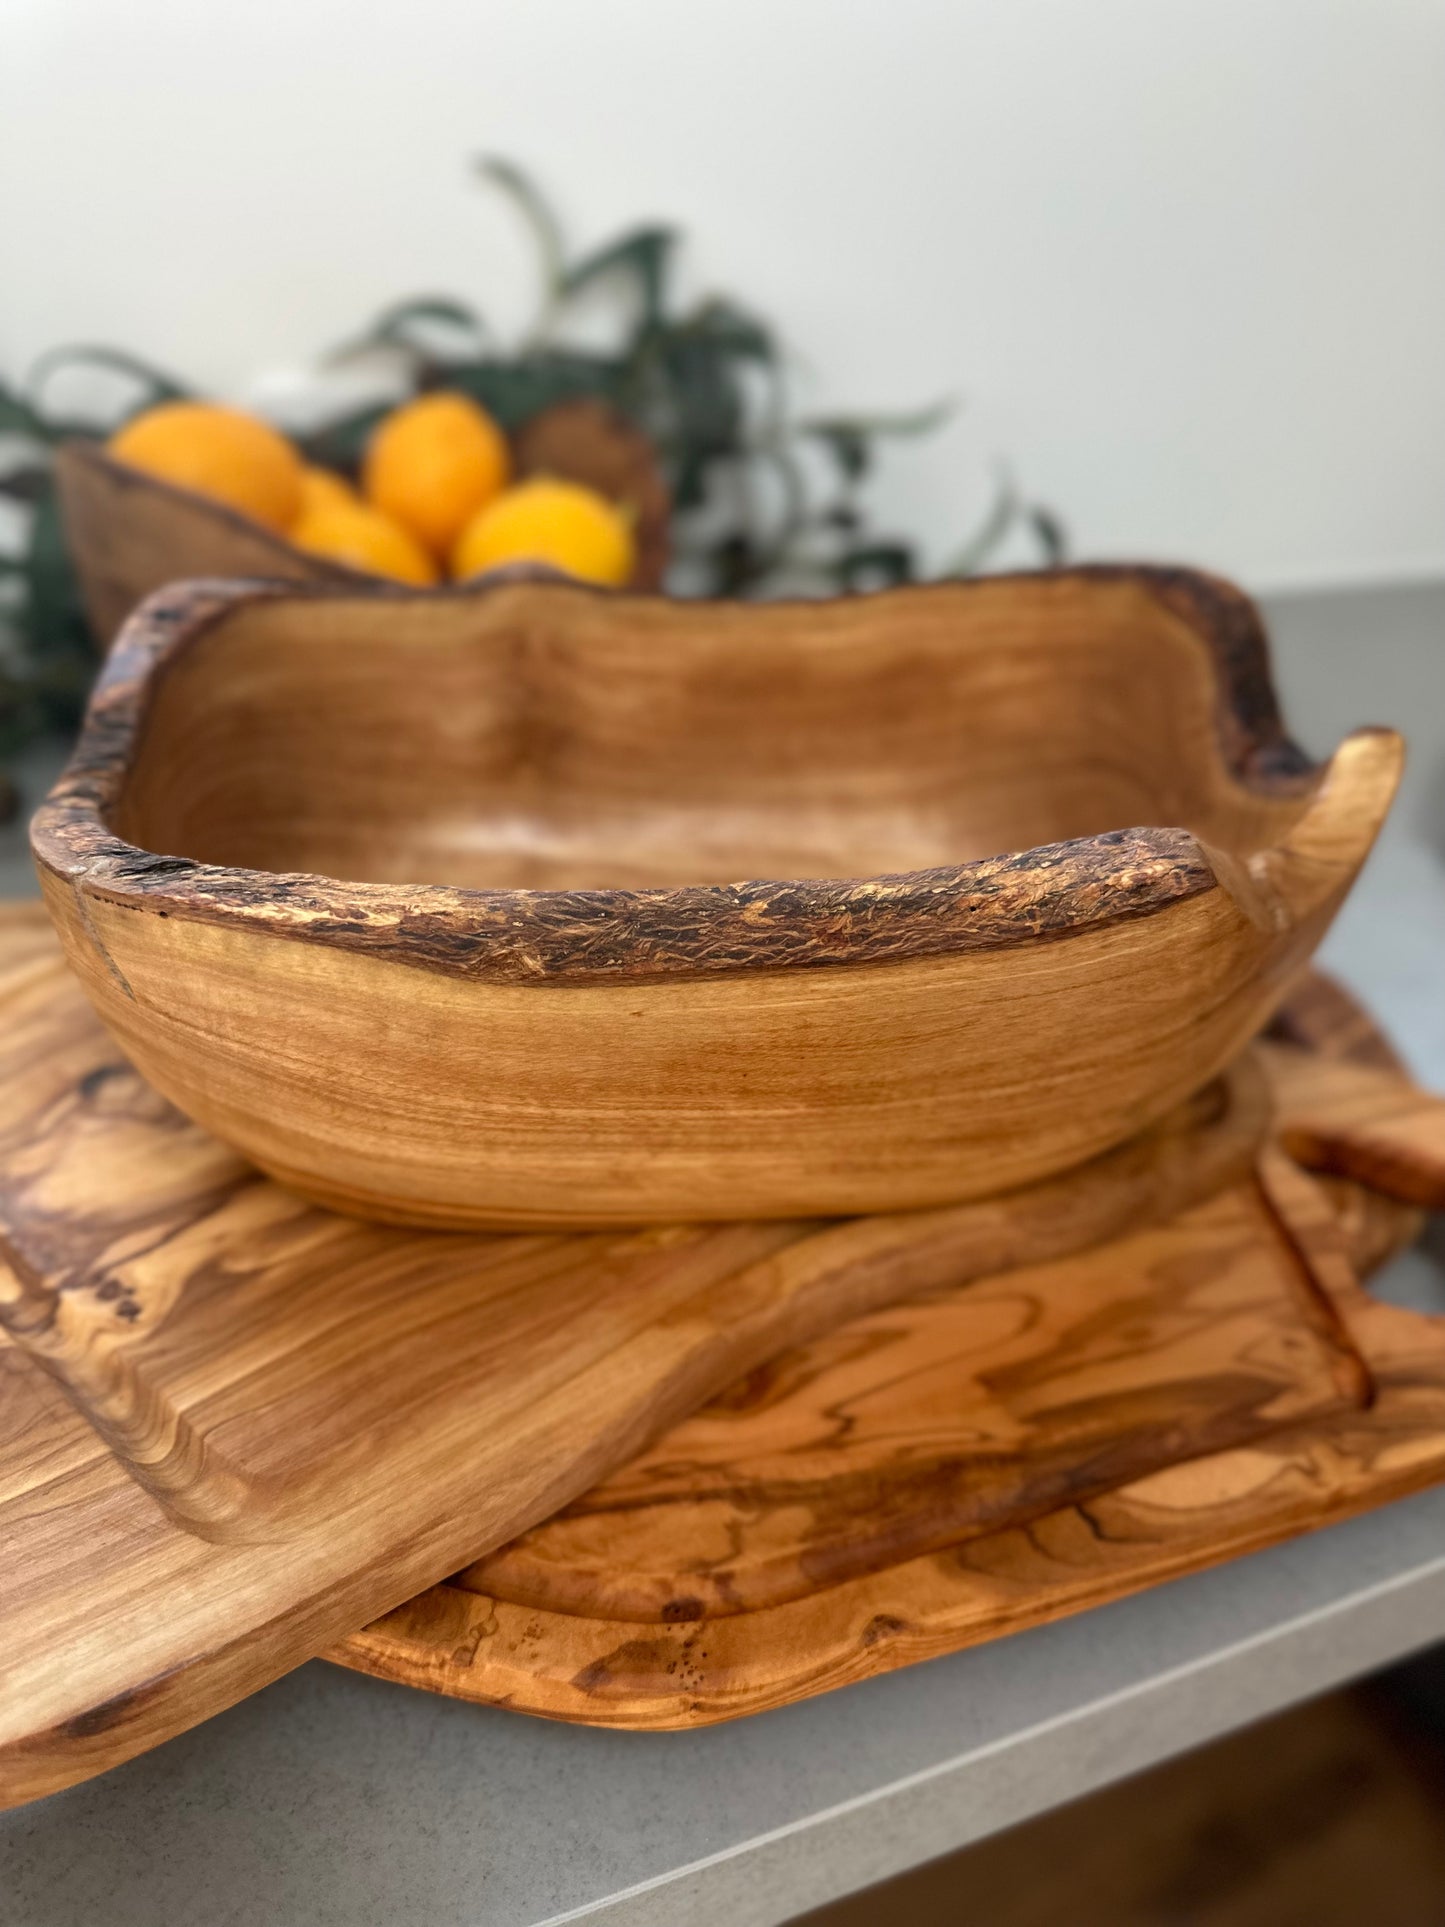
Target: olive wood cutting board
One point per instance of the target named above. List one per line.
(916, 1427)
(236, 1426)
(949, 1471)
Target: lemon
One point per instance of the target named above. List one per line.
(546, 520)
(367, 539)
(322, 488)
(219, 452)
(432, 463)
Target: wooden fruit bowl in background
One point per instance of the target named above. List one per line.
(131, 533)
(424, 901)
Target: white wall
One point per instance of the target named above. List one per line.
(1184, 258)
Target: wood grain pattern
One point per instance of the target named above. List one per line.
(470, 952)
(239, 1426)
(1324, 1022)
(501, 1632)
(924, 1425)
(131, 533)
(1322, 1018)
(1355, 1121)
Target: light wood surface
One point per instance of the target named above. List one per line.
(1358, 1122)
(427, 904)
(236, 1427)
(131, 533)
(922, 1426)
(552, 1625)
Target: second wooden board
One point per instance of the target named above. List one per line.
(922, 1425)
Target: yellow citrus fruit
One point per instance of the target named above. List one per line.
(367, 539)
(433, 463)
(218, 452)
(322, 488)
(546, 520)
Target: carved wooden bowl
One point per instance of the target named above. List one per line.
(131, 533)
(427, 902)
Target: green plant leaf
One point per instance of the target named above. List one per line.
(732, 330)
(904, 423)
(990, 532)
(341, 442)
(849, 445)
(17, 417)
(705, 396)
(61, 662)
(1050, 534)
(537, 212)
(877, 565)
(849, 438)
(644, 254)
(396, 327)
(514, 391)
(47, 566)
(154, 383)
(29, 482)
(776, 455)
(734, 565)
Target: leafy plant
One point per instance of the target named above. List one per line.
(708, 385)
(762, 502)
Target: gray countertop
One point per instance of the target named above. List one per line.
(332, 1798)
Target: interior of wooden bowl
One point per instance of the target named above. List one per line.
(537, 736)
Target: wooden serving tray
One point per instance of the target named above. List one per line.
(236, 1426)
(949, 1471)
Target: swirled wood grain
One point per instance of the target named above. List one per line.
(283, 1422)
(630, 1607)
(915, 1428)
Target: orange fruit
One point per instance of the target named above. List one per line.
(322, 488)
(432, 463)
(218, 452)
(546, 520)
(367, 539)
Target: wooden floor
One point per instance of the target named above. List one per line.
(1332, 1815)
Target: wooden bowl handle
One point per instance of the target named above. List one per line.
(1304, 878)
